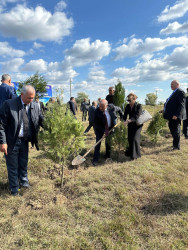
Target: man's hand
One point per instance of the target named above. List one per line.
(3, 148)
(126, 122)
(174, 117)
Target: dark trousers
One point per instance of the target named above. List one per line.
(89, 127)
(134, 140)
(97, 148)
(185, 127)
(84, 115)
(16, 162)
(175, 130)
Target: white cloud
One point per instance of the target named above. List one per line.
(84, 52)
(60, 6)
(35, 65)
(138, 47)
(12, 65)
(61, 77)
(176, 11)
(173, 66)
(32, 24)
(7, 50)
(37, 45)
(97, 76)
(178, 58)
(174, 28)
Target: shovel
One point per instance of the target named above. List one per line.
(80, 159)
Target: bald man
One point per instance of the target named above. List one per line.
(20, 119)
(105, 117)
(174, 112)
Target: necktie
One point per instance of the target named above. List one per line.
(106, 125)
(25, 123)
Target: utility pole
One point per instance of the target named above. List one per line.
(70, 87)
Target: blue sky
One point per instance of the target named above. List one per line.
(95, 43)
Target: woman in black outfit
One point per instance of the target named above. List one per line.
(133, 109)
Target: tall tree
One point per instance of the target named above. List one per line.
(38, 82)
(119, 95)
(151, 99)
(80, 97)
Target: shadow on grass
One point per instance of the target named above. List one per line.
(167, 204)
(4, 189)
(158, 151)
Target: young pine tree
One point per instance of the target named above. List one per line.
(155, 127)
(62, 135)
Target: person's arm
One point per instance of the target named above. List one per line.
(119, 111)
(12, 93)
(180, 105)
(3, 123)
(138, 112)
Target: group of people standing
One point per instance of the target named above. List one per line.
(21, 118)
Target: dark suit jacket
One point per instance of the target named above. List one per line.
(11, 118)
(99, 119)
(175, 106)
(72, 107)
(6, 92)
(91, 113)
(134, 113)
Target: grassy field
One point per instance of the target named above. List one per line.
(123, 204)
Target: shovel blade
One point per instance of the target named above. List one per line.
(78, 160)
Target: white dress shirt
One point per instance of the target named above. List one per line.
(108, 118)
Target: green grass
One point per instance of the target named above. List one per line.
(140, 204)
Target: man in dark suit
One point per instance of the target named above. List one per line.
(185, 122)
(6, 89)
(71, 105)
(84, 108)
(104, 119)
(174, 112)
(40, 104)
(20, 119)
(91, 116)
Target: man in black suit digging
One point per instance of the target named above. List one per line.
(104, 119)
(174, 112)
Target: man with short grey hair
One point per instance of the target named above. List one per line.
(6, 89)
(20, 119)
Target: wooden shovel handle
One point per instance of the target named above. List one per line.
(100, 140)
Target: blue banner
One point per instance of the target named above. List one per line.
(43, 99)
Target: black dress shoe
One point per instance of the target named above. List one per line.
(176, 148)
(95, 163)
(14, 193)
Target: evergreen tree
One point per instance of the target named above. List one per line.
(38, 82)
(155, 127)
(80, 97)
(63, 135)
(151, 99)
(119, 95)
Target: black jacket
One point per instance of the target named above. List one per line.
(72, 107)
(91, 113)
(11, 118)
(134, 113)
(99, 119)
(6, 92)
(175, 106)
